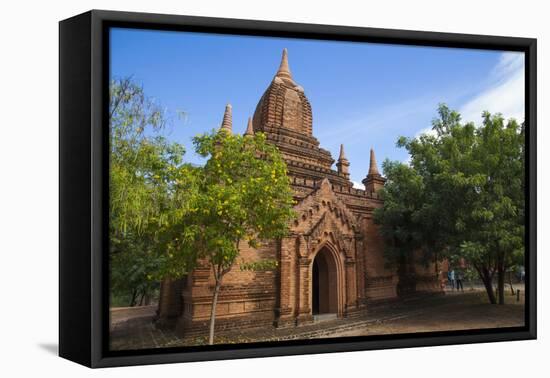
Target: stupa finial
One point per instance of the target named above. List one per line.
(342, 153)
(343, 163)
(249, 129)
(284, 70)
(227, 123)
(373, 168)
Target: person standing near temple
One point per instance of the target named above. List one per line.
(459, 279)
(451, 276)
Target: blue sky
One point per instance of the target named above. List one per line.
(362, 95)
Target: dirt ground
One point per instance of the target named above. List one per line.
(452, 311)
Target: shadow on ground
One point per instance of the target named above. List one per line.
(51, 348)
(466, 310)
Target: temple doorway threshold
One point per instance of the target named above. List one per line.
(317, 318)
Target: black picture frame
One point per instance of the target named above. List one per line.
(83, 181)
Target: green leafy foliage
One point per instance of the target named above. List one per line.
(403, 200)
(147, 181)
(461, 196)
(167, 216)
(243, 195)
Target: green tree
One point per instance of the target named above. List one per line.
(243, 195)
(493, 227)
(403, 196)
(168, 216)
(461, 196)
(145, 172)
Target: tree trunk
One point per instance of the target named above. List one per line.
(141, 299)
(213, 311)
(487, 279)
(134, 297)
(510, 282)
(500, 277)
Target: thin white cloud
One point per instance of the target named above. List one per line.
(380, 121)
(358, 185)
(505, 94)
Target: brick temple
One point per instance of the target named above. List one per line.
(332, 263)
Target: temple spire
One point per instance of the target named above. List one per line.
(374, 180)
(227, 123)
(343, 163)
(373, 168)
(249, 129)
(342, 153)
(284, 70)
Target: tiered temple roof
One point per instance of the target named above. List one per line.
(284, 115)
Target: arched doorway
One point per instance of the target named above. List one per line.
(324, 284)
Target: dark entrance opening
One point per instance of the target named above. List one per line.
(324, 284)
(315, 283)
